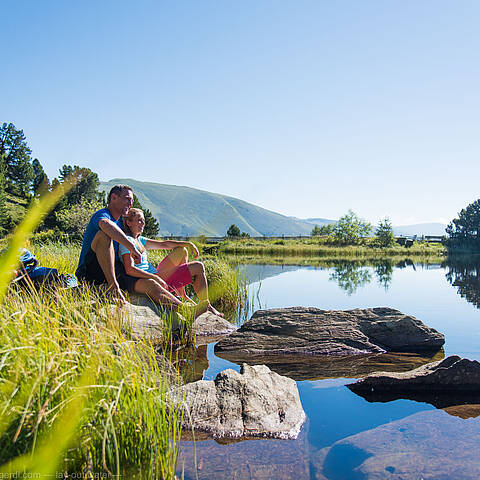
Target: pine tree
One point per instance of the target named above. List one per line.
(86, 186)
(384, 233)
(17, 156)
(40, 182)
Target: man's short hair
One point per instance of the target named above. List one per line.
(117, 190)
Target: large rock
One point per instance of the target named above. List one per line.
(452, 381)
(429, 445)
(312, 331)
(141, 318)
(253, 403)
(210, 325)
(140, 322)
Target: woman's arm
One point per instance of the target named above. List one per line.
(170, 245)
(133, 271)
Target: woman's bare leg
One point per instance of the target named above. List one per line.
(162, 296)
(170, 263)
(176, 257)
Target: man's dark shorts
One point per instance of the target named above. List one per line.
(92, 272)
(125, 281)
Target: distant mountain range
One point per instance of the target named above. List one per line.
(189, 211)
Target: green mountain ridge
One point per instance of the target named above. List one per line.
(184, 210)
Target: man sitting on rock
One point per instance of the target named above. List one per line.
(97, 258)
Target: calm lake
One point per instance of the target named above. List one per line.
(345, 436)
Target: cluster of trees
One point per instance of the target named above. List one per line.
(233, 231)
(464, 231)
(350, 230)
(22, 179)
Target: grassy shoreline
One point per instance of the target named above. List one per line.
(312, 247)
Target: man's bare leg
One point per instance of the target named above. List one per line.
(102, 245)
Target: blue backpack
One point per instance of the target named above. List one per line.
(32, 273)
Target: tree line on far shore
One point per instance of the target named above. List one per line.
(23, 180)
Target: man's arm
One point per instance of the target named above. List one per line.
(170, 245)
(113, 231)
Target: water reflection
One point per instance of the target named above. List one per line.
(464, 273)
(259, 459)
(348, 437)
(384, 273)
(350, 277)
(191, 362)
(328, 366)
(449, 401)
(349, 274)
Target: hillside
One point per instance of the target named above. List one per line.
(188, 211)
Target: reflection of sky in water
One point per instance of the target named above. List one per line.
(334, 412)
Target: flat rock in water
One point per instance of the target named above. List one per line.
(452, 381)
(312, 331)
(428, 445)
(253, 403)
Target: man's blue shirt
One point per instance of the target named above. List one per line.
(93, 228)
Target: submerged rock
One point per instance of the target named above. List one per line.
(428, 444)
(253, 403)
(207, 459)
(312, 331)
(452, 381)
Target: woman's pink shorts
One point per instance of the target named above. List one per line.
(179, 278)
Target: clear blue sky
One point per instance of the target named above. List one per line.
(304, 107)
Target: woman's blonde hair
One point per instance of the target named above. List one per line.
(130, 215)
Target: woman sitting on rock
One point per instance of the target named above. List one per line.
(170, 276)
